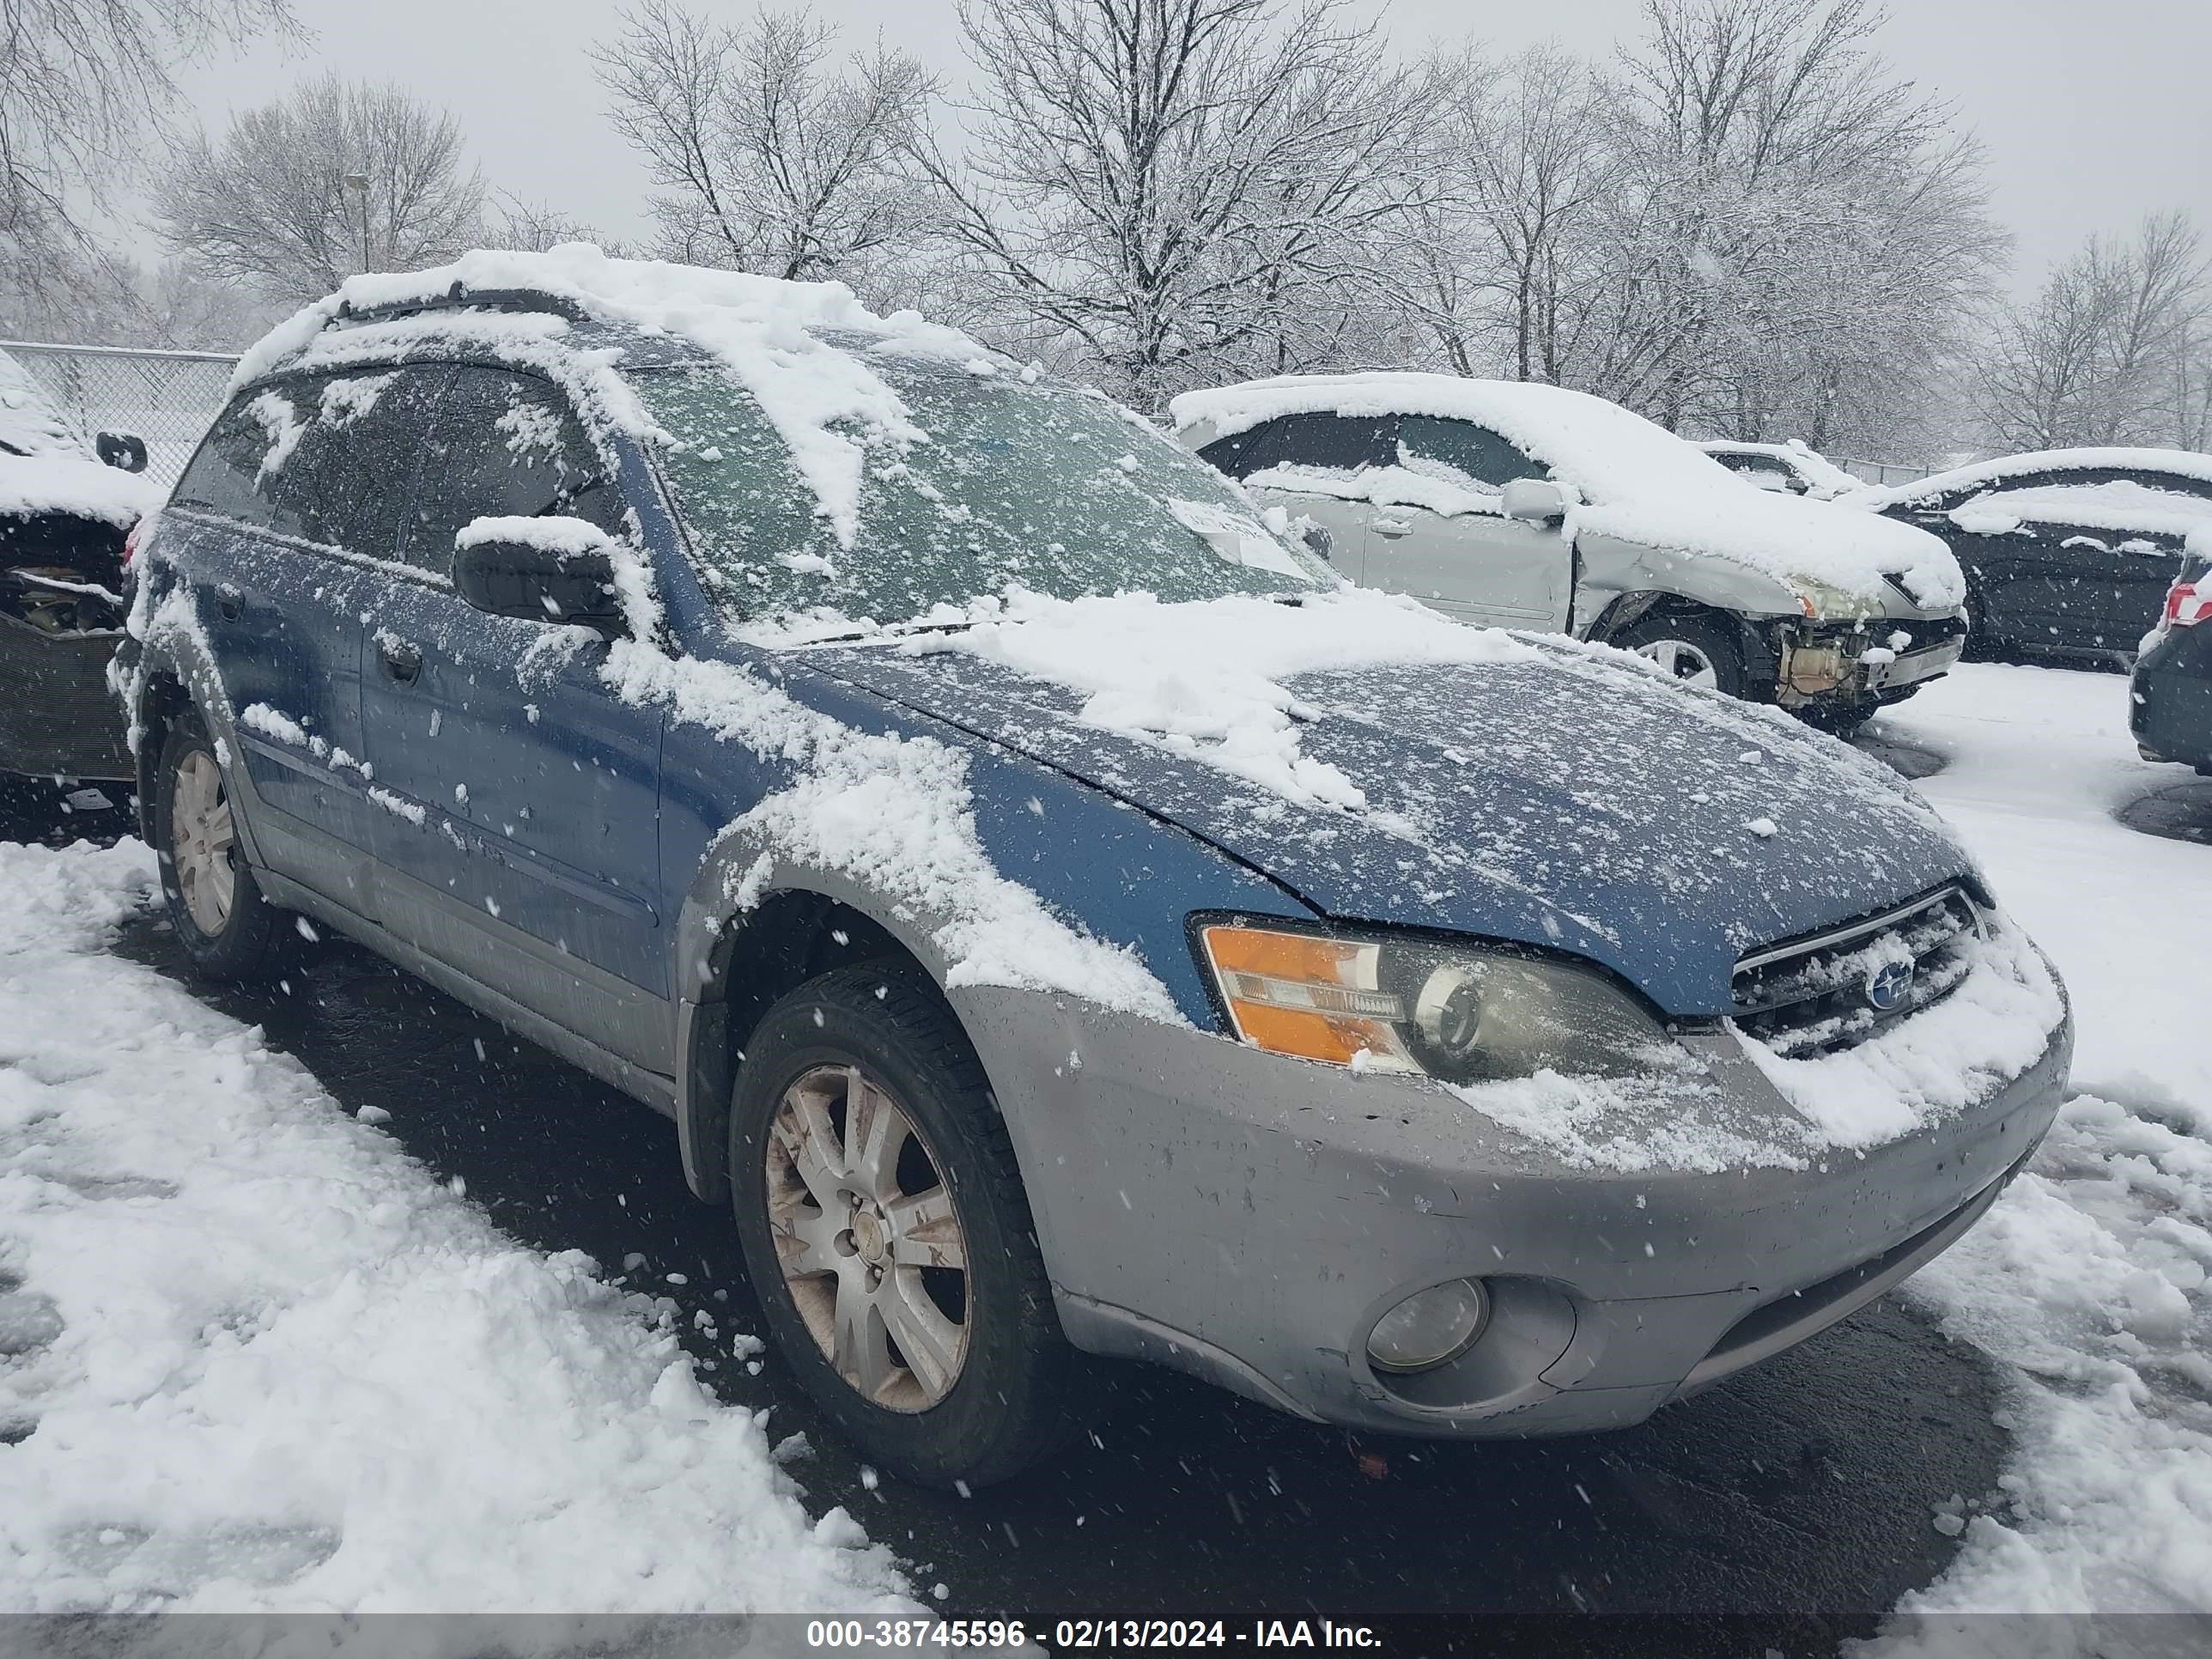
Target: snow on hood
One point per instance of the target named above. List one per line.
(1388, 765)
(821, 395)
(1638, 481)
(64, 483)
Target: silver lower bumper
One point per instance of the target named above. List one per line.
(1246, 1218)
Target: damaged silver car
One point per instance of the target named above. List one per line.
(1533, 507)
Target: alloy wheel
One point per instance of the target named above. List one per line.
(1681, 661)
(869, 1238)
(201, 837)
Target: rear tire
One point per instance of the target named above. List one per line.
(230, 932)
(1695, 649)
(910, 1232)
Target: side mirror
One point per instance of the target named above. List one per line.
(1535, 501)
(549, 570)
(125, 450)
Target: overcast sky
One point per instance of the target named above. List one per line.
(2093, 115)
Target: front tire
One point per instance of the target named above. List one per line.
(887, 1235)
(1697, 650)
(230, 932)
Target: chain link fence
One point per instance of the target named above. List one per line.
(1882, 473)
(166, 397)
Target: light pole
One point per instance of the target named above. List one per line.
(356, 184)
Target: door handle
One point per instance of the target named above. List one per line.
(401, 662)
(1392, 527)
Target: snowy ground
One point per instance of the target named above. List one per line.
(2087, 1282)
(273, 1365)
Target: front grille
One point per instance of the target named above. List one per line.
(1830, 991)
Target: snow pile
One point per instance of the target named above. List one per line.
(823, 398)
(1639, 482)
(29, 422)
(253, 1358)
(895, 813)
(1205, 679)
(2087, 1280)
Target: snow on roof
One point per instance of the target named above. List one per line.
(1821, 472)
(1639, 481)
(822, 396)
(29, 422)
(2182, 463)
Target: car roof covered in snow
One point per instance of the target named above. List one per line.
(1638, 481)
(801, 350)
(1809, 461)
(2181, 463)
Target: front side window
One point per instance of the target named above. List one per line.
(1020, 483)
(503, 444)
(1461, 452)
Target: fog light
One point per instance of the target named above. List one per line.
(1429, 1327)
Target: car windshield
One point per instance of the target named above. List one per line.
(1021, 483)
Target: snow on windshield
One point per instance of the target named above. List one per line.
(1019, 481)
(1638, 481)
(2124, 505)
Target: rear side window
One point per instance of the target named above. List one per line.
(325, 458)
(1332, 443)
(227, 476)
(1243, 453)
(503, 444)
(1468, 453)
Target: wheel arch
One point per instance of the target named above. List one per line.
(1761, 662)
(755, 928)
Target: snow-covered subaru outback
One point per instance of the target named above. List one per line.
(1534, 506)
(1062, 918)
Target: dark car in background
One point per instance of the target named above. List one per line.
(66, 506)
(2068, 553)
(2170, 699)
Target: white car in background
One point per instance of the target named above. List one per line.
(1793, 468)
(1528, 506)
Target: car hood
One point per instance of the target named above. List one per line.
(1811, 547)
(1562, 796)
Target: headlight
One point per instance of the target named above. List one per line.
(1454, 1013)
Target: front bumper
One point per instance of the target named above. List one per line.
(57, 715)
(1820, 664)
(1246, 1218)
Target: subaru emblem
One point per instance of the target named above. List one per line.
(1887, 987)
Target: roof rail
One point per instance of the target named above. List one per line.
(460, 296)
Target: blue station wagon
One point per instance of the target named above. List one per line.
(1064, 920)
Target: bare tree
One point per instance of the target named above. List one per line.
(2112, 350)
(771, 156)
(1171, 190)
(1494, 259)
(534, 226)
(270, 204)
(1798, 236)
(79, 79)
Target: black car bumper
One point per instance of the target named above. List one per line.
(57, 716)
(2170, 708)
